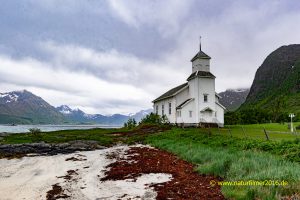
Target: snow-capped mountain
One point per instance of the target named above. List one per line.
(24, 107)
(10, 97)
(64, 109)
(78, 116)
(232, 99)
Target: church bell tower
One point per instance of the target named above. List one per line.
(201, 61)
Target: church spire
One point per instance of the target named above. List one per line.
(200, 54)
(200, 42)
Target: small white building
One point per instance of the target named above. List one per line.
(194, 103)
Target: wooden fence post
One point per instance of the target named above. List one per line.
(295, 132)
(209, 131)
(244, 132)
(230, 132)
(266, 134)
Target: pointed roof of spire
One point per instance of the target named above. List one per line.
(200, 54)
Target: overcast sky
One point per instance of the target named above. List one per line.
(117, 56)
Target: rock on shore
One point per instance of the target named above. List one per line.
(42, 148)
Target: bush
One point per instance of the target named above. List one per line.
(131, 123)
(154, 119)
(35, 131)
(254, 116)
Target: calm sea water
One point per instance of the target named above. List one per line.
(47, 128)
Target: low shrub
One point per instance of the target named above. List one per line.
(131, 123)
(35, 131)
(154, 119)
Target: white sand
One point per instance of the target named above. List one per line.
(31, 178)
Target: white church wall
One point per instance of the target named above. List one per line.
(207, 86)
(185, 114)
(201, 65)
(220, 114)
(165, 102)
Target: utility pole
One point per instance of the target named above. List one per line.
(292, 115)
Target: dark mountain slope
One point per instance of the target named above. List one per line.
(24, 107)
(278, 75)
(275, 91)
(232, 99)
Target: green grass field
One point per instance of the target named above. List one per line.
(274, 131)
(102, 136)
(237, 159)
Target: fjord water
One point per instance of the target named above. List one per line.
(48, 128)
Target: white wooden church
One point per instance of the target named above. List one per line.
(194, 103)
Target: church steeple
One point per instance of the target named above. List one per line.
(201, 60)
(200, 43)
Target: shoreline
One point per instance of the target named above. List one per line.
(24, 128)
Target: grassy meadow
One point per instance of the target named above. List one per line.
(275, 131)
(237, 159)
(102, 136)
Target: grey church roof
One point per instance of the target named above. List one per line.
(171, 92)
(183, 103)
(201, 74)
(200, 54)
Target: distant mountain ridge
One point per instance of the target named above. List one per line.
(23, 107)
(232, 99)
(78, 116)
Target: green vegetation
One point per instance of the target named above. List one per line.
(232, 155)
(231, 159)
(35, 131)
(273, 102)
(154, 119)
(131, 123)
(102, 136)
(10, 119)
(255, 115)
(275, 131)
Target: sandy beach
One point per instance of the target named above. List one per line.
(72, 176)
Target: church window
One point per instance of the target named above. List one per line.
(205, 98)
(170, 108)
(156, 109)
(179, 113)
(216, 114)
(162, 109)
(191, 113)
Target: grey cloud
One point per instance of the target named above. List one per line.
(142, 47)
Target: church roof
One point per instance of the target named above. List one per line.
(200, 74)
(171, 92)
(207, 109)
(183, 103)
(200, 54)
(219, 104)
